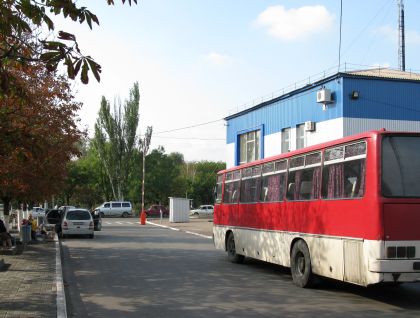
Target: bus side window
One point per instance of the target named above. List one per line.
(344, 180)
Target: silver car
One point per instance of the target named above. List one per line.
(77, 222)
(203, 210)
(115, 208)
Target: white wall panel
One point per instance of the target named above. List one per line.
(230, 155)
(272, 145)
(325, 131)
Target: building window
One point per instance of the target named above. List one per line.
(249, 146)
(300, 136)
(285, 140)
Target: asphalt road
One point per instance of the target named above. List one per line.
(129, 270)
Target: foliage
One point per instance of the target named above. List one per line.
(201, 177)
(115, 140)
(84, 185)
(20, 18)
(167, 175)
(39, 133)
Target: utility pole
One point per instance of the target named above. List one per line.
(401, 36)
(144, 145)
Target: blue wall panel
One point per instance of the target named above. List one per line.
(382, 99)
(288, 112)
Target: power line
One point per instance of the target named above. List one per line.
(186, 138)
(187, 127)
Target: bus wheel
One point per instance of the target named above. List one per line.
(300, 264)
(231, 250)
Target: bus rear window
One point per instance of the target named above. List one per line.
(401, 166)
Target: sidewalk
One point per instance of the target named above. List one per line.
(28, 281)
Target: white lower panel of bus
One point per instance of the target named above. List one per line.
(347, 259)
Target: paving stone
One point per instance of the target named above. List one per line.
(28, 286)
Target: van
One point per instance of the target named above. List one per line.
(115, 208)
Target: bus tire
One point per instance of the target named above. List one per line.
(231, 250)
(300, 265)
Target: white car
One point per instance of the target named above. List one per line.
(203, 210)
(37, 212)
(77, 222)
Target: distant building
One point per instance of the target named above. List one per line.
(340, 105)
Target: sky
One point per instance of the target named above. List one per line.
(198, 61)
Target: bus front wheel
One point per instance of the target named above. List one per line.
(300, 264)
(231, 250)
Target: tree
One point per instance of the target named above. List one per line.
(144, 145)
(83, 185)
(116, 139)
(203, 180)
(20, 25)
(39, 133)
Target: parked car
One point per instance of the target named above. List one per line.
(115, 208)
(77, 222)
(203, 210)
(66, 207)
(52, 219)
(154, 210)
(37, 212)
(97, 220)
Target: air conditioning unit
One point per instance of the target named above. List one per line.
(323, 96)
(309, 126)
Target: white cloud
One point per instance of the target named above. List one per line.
(293, 24)
(217, 59)
(412, 37)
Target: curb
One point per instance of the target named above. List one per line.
(61, 295)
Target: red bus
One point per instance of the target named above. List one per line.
(347, 209)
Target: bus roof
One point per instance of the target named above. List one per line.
(367, 134)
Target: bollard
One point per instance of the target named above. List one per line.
(143, 217)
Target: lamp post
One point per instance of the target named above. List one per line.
(144, 146)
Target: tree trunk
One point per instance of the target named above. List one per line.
(6, 205)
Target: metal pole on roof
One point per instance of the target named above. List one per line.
(401, 36)
(339, 44)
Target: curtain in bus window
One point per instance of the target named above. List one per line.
(249, 190)
(335, 181)
(298, 182)
(231, 192)
(362, 178)
(316, 183)
(273, 188)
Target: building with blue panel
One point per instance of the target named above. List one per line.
(340, 105)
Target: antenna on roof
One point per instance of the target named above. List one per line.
(339, 44)
(401, 36)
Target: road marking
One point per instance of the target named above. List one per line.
(175, 229)
(198, 234)
(119, 223)
(165, 226)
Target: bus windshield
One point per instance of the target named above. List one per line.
(401, 166)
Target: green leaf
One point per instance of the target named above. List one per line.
(96, 69)
(84, 75)
(70, 68)
(89, 21)
(77, 67)
(66, 36)
(49, 22)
